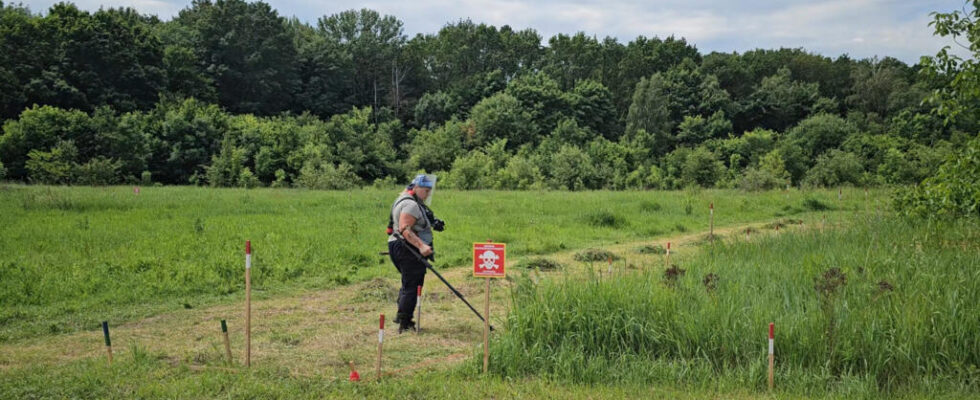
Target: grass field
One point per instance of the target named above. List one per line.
(164, 266)
(71, 257)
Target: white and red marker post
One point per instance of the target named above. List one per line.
(381, 339)
(248, 303)
(771, 353)
(667, 259)
(418, 307)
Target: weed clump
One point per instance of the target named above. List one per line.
(814, 204)
(378, 289)
(589, 255)
(651, 249)
(650, 206)
(710, 282)
(605, 219)
(542, 264)
(672, 275)
(828, 283)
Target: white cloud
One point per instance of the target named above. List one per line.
(861, 28)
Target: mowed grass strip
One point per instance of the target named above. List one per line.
(73, 256)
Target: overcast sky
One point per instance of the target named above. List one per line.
(860, 28)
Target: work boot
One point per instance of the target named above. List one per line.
(406, 326)
(404, 321)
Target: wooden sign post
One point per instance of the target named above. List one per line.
(489, 260)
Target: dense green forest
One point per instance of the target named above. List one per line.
(229, 93)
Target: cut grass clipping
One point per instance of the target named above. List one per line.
(652, 249)
(538, 263)
(879, 315)
(592, 255)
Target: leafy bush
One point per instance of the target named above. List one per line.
(53, 167)
(3, 171)
(326, 176)
(543, 264)
(98, 171)
(833, 169)
(953, 191)
(604, 219)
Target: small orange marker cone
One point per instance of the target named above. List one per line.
(354, 376)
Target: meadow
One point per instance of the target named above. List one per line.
(866, 304)
(73, 256)
(879, 307)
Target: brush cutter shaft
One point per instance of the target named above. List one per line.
(456, 292)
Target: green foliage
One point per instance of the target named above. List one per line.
(769, 174)
(3, 171)
(820, 133)
(571, 169)
(701, 167)
(502, 116)
(326, 176)
(835, 168)
(781, 102)
(53, 167)
(435, 150)
(98, 171)
(471, 171)
(954, 191)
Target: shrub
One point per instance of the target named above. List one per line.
(953, 191)
(326, 176)
(98, 171)
(833, 169)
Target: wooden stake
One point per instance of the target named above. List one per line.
(667, 259)
(486, 331)
(771, 355)
(711, 224)
(224, 333)
(418, 306)
(248, 303)
(381, 339)
(108, 343)
(609, 266)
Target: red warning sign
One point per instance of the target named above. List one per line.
(488, 260)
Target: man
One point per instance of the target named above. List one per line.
(411, 226)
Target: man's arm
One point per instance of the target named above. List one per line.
(405, 222)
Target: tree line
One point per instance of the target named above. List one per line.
(230, 93)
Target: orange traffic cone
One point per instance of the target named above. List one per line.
(354, 376)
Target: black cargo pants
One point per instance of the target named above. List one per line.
(413, 276)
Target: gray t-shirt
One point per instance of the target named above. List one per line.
(422, 227)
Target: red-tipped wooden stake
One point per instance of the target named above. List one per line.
(771, 354)
(248, 303)
(381, 339)
(667, 259)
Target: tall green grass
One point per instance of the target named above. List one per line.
(880, 305)
(73, 256)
